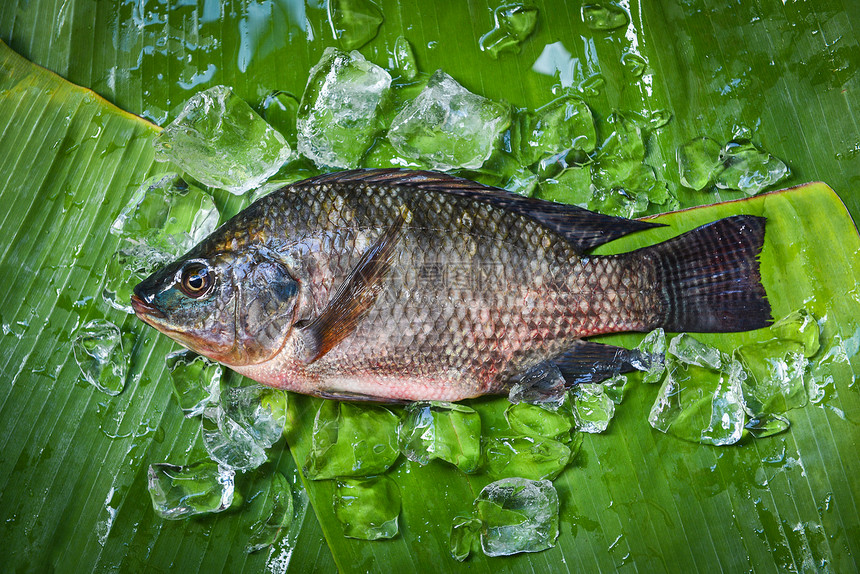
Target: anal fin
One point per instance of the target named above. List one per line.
(589, 362)
(584, 362)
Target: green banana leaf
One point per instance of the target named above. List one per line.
(635, 495)
(73, 473)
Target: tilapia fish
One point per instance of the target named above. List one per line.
(400, 285)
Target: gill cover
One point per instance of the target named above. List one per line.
(236, 308)
(266, 296)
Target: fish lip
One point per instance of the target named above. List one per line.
(144, 310)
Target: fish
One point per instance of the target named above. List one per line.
(399, 285)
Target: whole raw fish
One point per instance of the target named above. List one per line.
(410, 285)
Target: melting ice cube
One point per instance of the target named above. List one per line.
(699, 162)
(518, 515)
(354, 23)
(767, 425)
(180, 491)
(101, 352)
(524, 456)
(448, 127)
(339, 112)
(248, 420)
(368, 508)
(690, 351)
(514, 23)
(749, 169)
(727, 409)
(604, 16)
(464, 533)
(445, 431)
(654, 346)
(221, 142)
(404, 59)
(541, 384)
(592, 408)
(196, 381)
(539, 421)
(277, 515)
(561, 125)
(351, 440)
(737, 165)
(701, 398)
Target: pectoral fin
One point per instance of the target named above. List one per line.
(354, 298)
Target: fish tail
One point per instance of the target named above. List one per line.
(709, 278)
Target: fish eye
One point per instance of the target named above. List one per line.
(196, 280)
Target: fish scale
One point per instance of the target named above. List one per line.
(399, 285)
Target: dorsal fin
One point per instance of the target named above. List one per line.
(582, 228)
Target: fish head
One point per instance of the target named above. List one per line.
(235, 308)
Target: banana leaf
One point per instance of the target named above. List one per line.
(73, 472)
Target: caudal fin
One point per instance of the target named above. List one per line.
(709, 277)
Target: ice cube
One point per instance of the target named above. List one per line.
(278, 515)
(354, 23)
(800, 327)
(625, 185)
(196, 381)
(570, 185)
(693, 352)
(562, 125)
(367, 508)
(351, 440)
(614, 388)
(464, 533)
(168, 214)
(445, 431)
(199, 488)
(749, 169)
(699, 162)
(221, 142)
(727, 409)
(604, 16)
(777, 371)
(530, 457)
(404, 60)
(654, 346)
(592, 408)
(538, 421)
(248, 421)
(102, 353)
(518, 515)
(448, 127)
(514, 23)
(228, 443)
(505, 171)
(339, 112)
(522, 181)
(259, 409)
(701, 398)
(164, 219)
(779, 367)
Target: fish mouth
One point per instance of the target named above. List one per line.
(144, 310)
